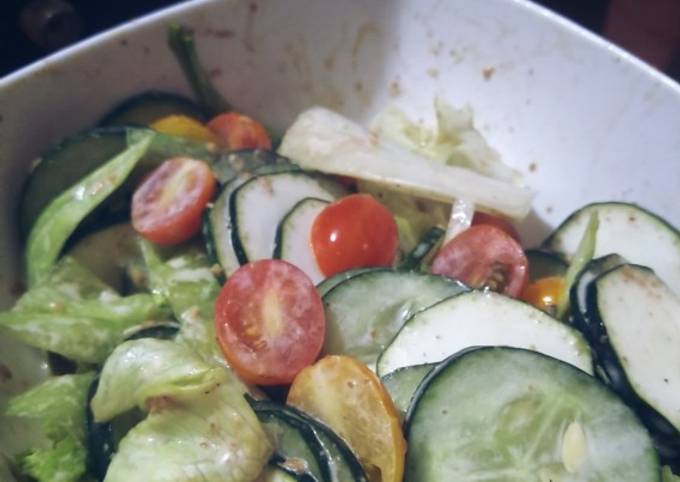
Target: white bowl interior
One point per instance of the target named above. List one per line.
(581, 119)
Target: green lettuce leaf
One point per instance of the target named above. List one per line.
(212, 436)
(58, 404)
(66, 461)
(139, 370)
(61, 217)
(667, 475)
(76, 315)
(186, 282)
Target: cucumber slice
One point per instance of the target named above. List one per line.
(257, 207)
(636, 335)
(627, 230)
(505, 414)
(544, 263)
(113, 255)
(217, 223)
(478, 318)
(578, 292)
(292, 242)
(365, 312)
(63, 165)
(329, 283)
(147, 107)
(295, 443)
(402, 383)
(336, 461)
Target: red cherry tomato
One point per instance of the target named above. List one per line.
(491, 220)
(237, 131)
(484, 257)
(353, 232)
(270, 321)
(168, 204)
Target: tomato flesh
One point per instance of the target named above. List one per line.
(484, 256)
(342, 392)
(237, 131)
(482, 218)
(168, 204)
(355, 231)
(270, 321)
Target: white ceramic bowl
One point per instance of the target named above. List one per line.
(580, 118)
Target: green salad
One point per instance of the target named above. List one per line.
(338, 304)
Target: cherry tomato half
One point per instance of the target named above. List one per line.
(491, 220)
(344, 393)
(183, 126)
(237, 131)
(355, 231)
(545, 293)
(270, 321)
(168, 204)
(484, 257)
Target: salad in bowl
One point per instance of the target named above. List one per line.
(343, 303)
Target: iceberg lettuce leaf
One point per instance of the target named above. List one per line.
(212, 436)
(139, 370)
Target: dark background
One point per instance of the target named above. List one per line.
(32, 29)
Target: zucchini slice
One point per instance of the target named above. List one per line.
(292, 242)
(147, 107)
(63, 165)
(336, 461)
(366, 311)
(479, 318)
(544, 263)
(579, 290)
(402, 383)
(329, 283)
(507, 414)
(636, 335)
(627, 230)
(258, 206)
(217, 222)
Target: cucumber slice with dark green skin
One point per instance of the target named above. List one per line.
(257, 207)
(636, 335)
(296, 446)
(365, 312)
(401, 384)
(425, 246)
(63, 165)
(329, 283)
(479, 318)
(507, 414)
(291, 242)
(628, 230)
(217, 223)
(579, 290)
(147, 107)
(544, 263)
(336, 461)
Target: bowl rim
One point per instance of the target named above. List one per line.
(572, 28)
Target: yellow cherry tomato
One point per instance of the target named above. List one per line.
(183, 126)
(348, 397)
(544, 293)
